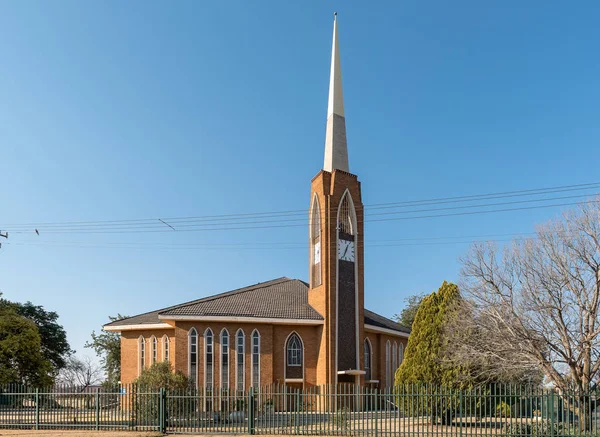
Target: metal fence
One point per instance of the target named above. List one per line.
(411, 411)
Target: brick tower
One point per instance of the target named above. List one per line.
(336, 254)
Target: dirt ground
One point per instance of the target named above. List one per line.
(60, 433)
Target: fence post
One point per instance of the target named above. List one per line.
(551, 406)
(97, 409)
(460, 414)
(162, 408)
(251, 411)
(37, 408)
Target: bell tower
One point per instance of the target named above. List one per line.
(336, 244)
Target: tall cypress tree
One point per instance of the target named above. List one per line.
(422, 363)
(422, 366)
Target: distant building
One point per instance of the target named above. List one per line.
(285, 330)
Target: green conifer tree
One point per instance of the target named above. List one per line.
(423, 369)
(422, 362)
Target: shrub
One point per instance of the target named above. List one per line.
(503, 410)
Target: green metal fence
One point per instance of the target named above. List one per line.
(411, 411)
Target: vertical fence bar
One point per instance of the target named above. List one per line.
(37, 408)
(251, 411)
(97, 409)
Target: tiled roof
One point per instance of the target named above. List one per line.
(281, 298)
(374, 319)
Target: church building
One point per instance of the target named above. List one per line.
(285, 330)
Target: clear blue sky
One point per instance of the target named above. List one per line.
(124, 110)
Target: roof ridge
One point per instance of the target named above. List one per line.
(233, 292)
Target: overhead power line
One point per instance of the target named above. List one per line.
(285, 219)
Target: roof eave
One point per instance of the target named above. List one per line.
(242, 319)
(379, 329)
(136, 327)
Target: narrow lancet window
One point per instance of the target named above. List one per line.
(240, 351)
(367, 358)
(294, 351)
(346, 216)
(224, 359)
(255, 360)
(315, 226)
(166, 348)
(208, 359)
(141, 354)
(154, 349)
(193, 356)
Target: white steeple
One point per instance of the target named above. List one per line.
(336, 148)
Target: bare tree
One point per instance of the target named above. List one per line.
(82, 372)
(535, 304)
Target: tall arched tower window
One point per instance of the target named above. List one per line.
(193, 356)
(367, 358)
(240, 351)
(347, 290)
(346, 216)
(315, 242)
(394, 358)
(209, 359)
(225, 359)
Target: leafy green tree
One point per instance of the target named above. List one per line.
(21, 359)
(107, 346)
(54, 345)
(408, 313)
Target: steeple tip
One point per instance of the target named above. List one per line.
(336, 149)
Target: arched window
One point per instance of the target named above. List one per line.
(225, 359)
(388, 365)
(346, 215)
(193, 356)
(141, 354)
(165, 347)
(294, 351)
(209, 359)
(367, 357)
(240, 351)
(255, 359)
(154, 343)
(315, 237)
(394, 358)
(400, 354)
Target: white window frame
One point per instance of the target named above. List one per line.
(255, 378)
(368, 363)
(210, 332)
(388, 364)
(166, 347)
(154, 343)
(300, 351)
(193, 332)
(141, 354)
(224, 334)
(237, 361)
